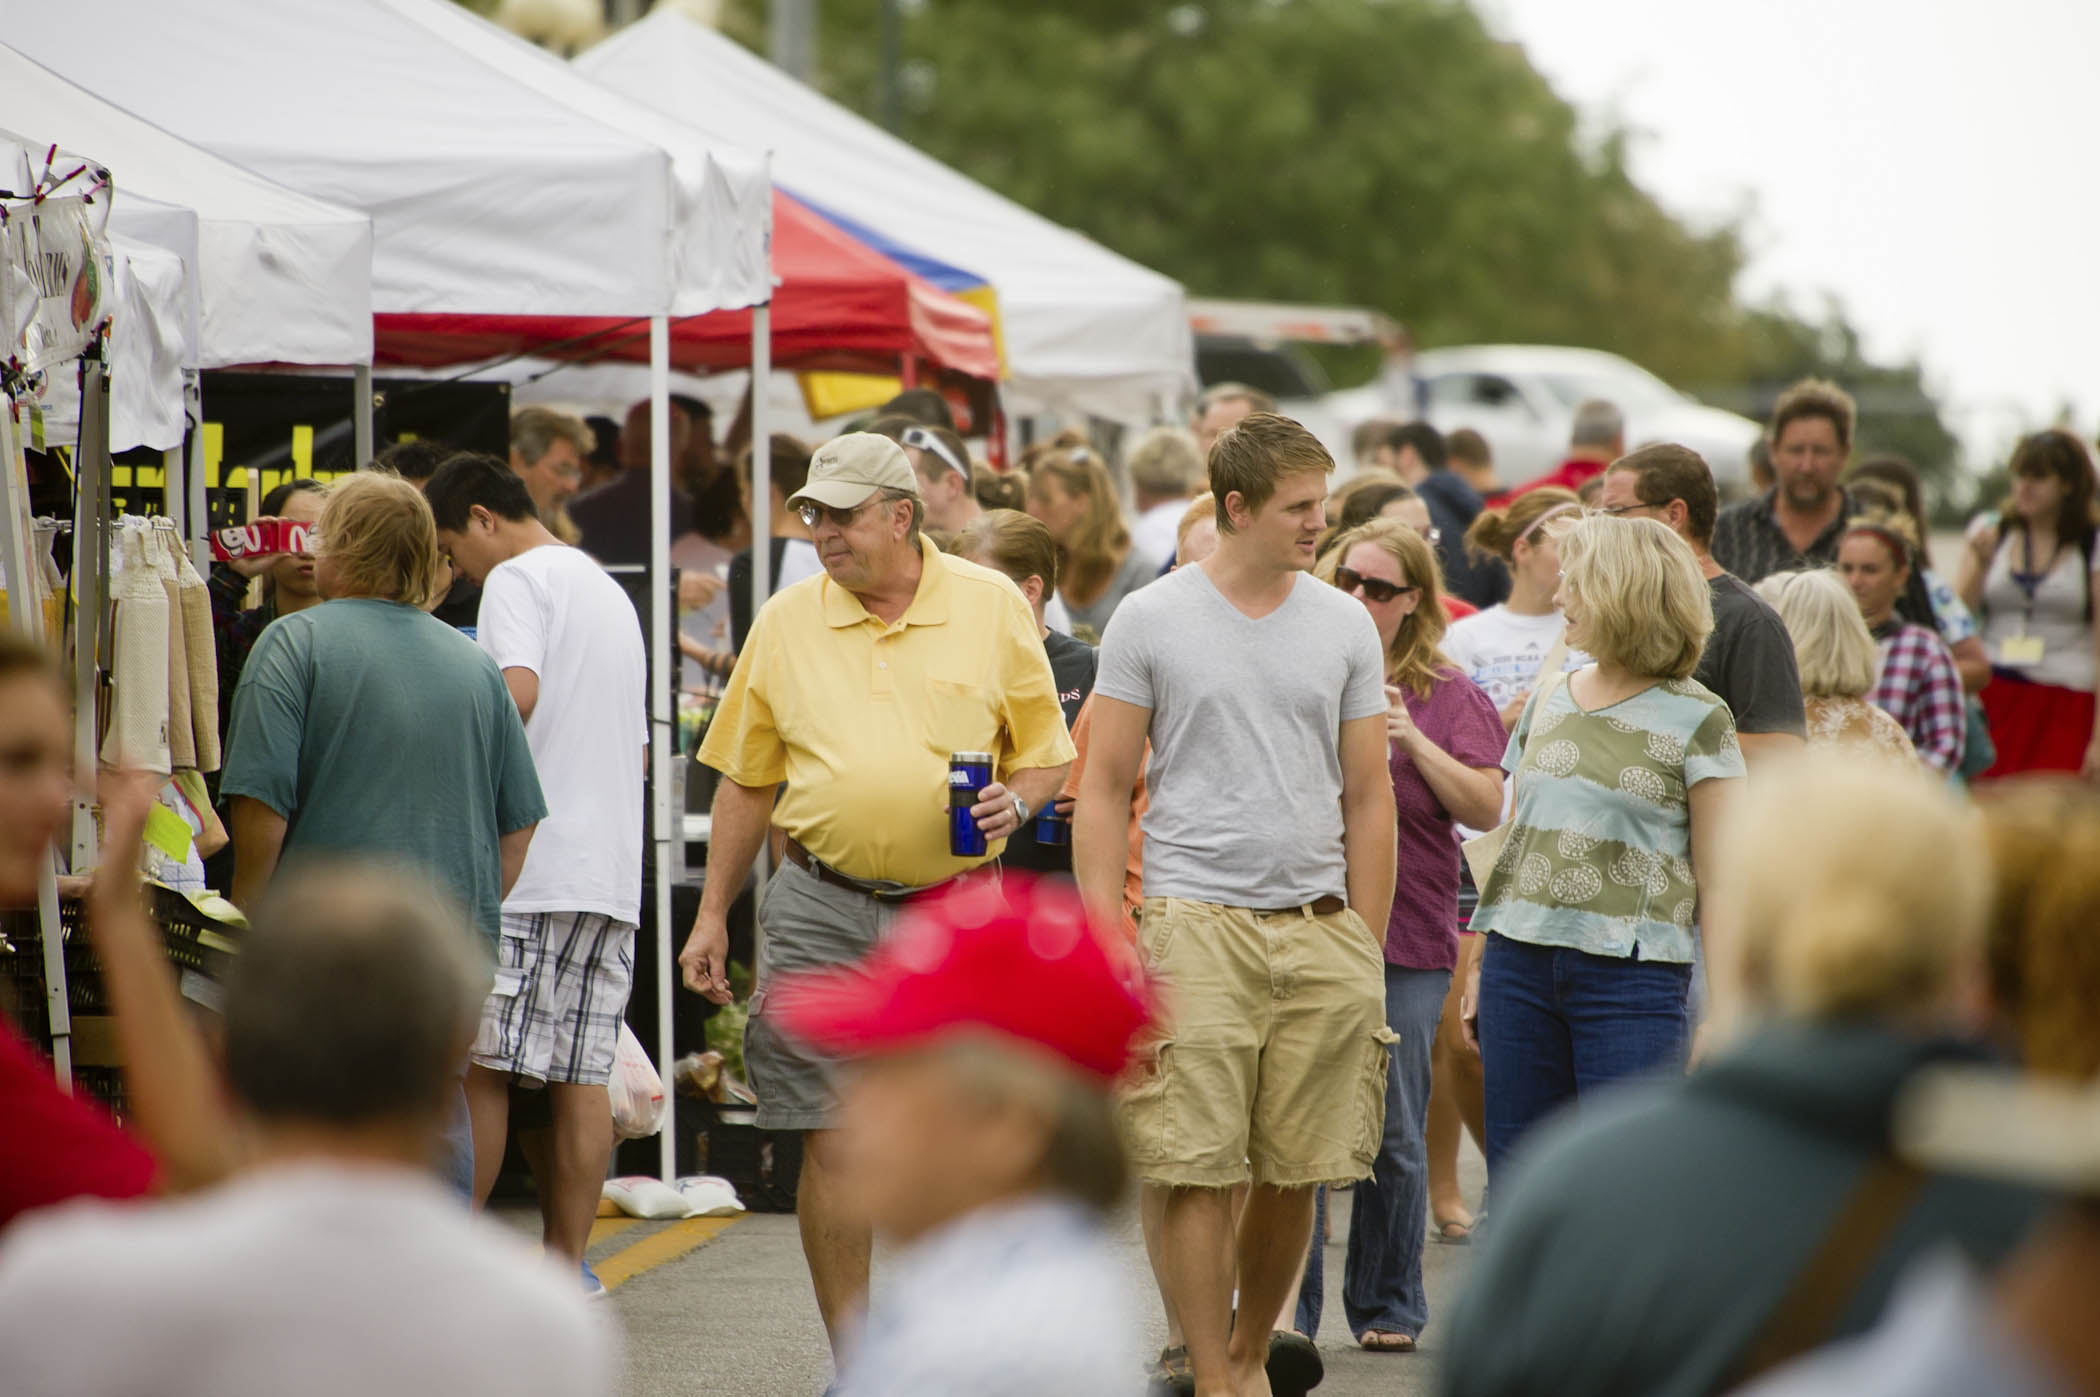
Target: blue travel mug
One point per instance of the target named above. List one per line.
(1053, 828)
(968, 773)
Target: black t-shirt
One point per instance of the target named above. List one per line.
(1072, 666)
(1749, 661)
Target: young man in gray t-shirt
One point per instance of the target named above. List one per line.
(1269, 849)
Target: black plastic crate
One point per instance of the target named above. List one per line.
(764, 1166)
(198, 950)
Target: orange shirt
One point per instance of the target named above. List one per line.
(1140, 799)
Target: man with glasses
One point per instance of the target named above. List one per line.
(846, 702)
(1749, 659)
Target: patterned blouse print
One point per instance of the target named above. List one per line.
(1598, 856)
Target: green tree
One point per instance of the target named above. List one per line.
(1344, 151)
(1390, 153)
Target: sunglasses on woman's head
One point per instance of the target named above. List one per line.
(1375, 588)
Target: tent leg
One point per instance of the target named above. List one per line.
(663, 727)
(361, 414)
(761, 522)
(91, 593)
(761, 456)
(198, 516)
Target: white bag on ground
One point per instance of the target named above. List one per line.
(637, 1092)
(640, 1196)
(710, 1196)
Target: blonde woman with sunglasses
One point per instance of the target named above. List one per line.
(1445, 757)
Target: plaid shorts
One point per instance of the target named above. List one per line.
(561, 989)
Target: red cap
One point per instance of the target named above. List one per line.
(1020, 959)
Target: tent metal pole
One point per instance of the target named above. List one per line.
(761, 456)
(663, 726)
(198, 517)
(361, 414)
(90, 591)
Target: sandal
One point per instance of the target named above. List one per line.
(1171, 1375)
(1385, 1341)
(1295, 1366)
(1453, 1233)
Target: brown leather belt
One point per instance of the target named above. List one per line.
(894, 894)
(1319, 907)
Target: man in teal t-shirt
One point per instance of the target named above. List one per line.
(365, 727)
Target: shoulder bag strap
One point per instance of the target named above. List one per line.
(1855, 1239)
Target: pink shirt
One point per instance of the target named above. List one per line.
(1458, 716)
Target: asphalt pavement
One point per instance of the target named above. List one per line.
(708, 1307)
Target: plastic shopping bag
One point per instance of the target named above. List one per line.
(637, 1092)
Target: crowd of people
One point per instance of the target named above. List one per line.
(1170, 813)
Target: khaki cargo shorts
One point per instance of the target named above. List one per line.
(1271, 1063)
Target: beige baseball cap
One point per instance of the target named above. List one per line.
(847, 470)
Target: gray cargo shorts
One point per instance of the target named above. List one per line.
(808, 925)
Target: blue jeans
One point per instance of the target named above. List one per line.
(1382, 1282)
(1557, 1022)
(455, 1161)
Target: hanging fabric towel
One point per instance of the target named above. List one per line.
(182, 736)
(138, 709)
(203, 652)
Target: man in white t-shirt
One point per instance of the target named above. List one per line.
(570, 647)
(1166, 472)
(335, 1264)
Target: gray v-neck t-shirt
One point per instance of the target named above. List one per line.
(1246, 775)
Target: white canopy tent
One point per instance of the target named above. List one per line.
(1084, 329)
(487, 197)
(282, 278)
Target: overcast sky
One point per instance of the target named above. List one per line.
(1929, 162)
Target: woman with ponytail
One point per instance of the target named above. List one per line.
(1685, 1236)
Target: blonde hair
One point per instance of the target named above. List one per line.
(1253, 456)
(1833, 649)
(1016, 544)
(1414, 658)
(377, 531)
(1201, 506)
(1892, 529)
(2044, 838)
(1644, 603)
(1859, 888)
(1494, 532)
(1101, 540)
(1165, 461)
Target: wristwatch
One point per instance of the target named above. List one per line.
(1020, 812)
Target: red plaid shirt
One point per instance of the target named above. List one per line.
(1921, 689)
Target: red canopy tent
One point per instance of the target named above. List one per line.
(838, 304)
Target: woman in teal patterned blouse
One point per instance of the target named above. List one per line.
(1620, 773)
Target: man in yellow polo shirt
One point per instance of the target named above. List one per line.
(853, 689)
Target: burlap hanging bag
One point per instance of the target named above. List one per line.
(201, 645)
(182, 738)
(137, 735)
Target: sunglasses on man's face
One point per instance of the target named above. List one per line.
(1374, 588)
(812, 514)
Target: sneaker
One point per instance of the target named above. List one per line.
(593, 1288)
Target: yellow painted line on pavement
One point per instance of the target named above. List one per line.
(610, 1227)
(658, 1248)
